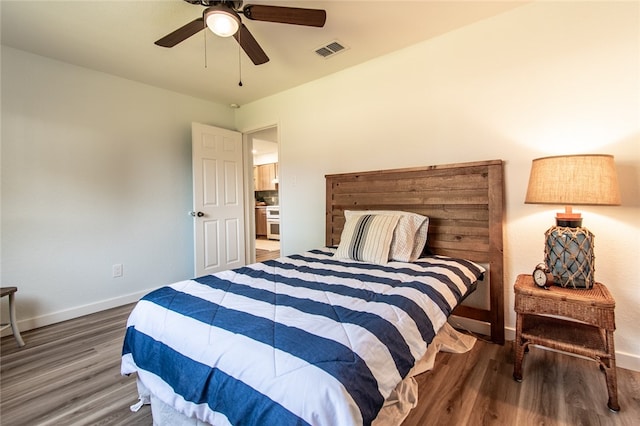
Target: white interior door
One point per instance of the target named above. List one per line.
(218, 199)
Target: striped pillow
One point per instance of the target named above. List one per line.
(367, 238)
(410, 234)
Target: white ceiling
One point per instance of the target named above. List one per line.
(116, 37)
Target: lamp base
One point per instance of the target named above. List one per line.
(568, 218)
(569, 222)
(568, 254)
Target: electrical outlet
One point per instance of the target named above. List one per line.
(117, 270)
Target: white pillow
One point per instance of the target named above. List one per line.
(367, 238)
(409, 237)
(420, 241)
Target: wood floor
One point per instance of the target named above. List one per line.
(69, 374)
(262, 255)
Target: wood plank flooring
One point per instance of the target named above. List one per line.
(262, 255)
(69, 374)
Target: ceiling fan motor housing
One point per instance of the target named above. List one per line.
(232, 4)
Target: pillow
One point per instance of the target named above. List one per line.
(421, 240)
(367, 238)
(409, 237)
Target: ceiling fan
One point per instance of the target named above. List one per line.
(223, 18)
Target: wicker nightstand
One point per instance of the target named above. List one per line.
(586, 328)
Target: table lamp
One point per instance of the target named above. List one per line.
(572, 180)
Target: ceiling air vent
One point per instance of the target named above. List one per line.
(330, 49)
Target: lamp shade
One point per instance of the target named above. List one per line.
(574, 180)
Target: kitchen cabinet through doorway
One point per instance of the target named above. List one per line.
(261, 221)
(264, 177)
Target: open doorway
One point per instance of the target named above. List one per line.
(264, 143)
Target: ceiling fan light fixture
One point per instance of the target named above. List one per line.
(222, 21)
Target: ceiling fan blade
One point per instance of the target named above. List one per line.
(286, 15)
(182, 33)
(250, 46)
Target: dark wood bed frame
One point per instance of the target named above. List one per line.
(465, 206)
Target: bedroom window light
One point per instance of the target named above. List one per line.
(572, 180)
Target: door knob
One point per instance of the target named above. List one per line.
(194, 214)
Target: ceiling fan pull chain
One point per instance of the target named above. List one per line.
(204, 33)
(239, 59)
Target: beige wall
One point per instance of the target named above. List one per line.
(544, 79)
(96, 171)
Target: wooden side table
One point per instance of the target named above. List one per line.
(586, 327)
(13, 322)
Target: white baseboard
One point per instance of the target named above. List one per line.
(628, 361)
(623, 359)
(78, 311)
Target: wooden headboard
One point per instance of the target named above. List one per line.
(465, 206)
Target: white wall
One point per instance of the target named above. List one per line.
(544, 79)
(96, 171)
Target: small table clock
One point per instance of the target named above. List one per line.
(542, 276)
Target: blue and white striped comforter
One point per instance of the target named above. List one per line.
(305, 339)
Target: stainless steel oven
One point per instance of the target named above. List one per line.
(273, 222)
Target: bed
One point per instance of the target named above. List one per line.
(333, 335)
